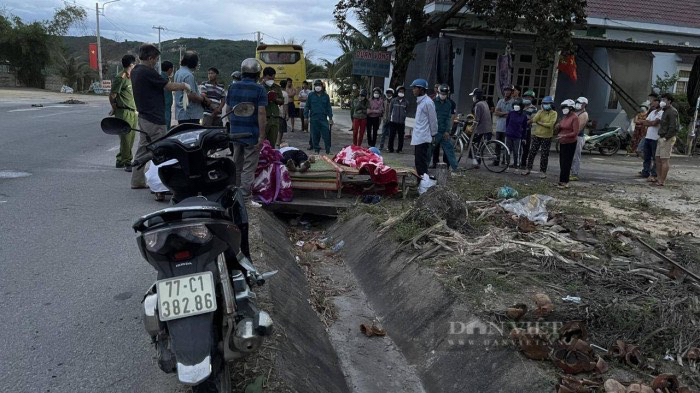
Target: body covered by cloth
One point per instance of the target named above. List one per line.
(272, 182)
(371, 164)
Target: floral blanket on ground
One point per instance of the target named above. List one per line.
(272, 181)
(371, 164)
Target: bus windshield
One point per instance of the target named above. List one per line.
(280, 57)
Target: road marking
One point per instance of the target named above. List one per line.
(25, 110)
(58, 113)
(10, 174)
(115, 148)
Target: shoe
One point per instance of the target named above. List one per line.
(290, 165)
(543, 175)
(573, 178)
(399, 152)
(139, 187)
(563, 185)
(160, 196)
(312, 159)
(304, 166)
(119, 165)
(127, 168)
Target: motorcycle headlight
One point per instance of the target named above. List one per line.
(191, 233)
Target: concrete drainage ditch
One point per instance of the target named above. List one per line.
(319, 299)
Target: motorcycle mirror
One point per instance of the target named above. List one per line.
(244, 109)
(115, 126)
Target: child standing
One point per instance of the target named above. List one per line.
(516, 126)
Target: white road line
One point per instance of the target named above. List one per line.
(57, 113)
(25, 109)
(115, 148)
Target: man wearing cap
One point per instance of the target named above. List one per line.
(483, 119)
(246, 152)
(503, 107)
(580, 106)
(320, 114)
(426, 126)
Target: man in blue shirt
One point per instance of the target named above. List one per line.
(193, 111)
(445, 110)
(246, 152)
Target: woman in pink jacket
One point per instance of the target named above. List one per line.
(374, 115)
(568, 133)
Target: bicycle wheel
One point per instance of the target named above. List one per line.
(489, 157)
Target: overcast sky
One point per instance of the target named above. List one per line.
(133, 20)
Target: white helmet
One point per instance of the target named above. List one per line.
(582, 100)
(569, 102)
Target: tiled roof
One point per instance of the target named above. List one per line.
(684, 13)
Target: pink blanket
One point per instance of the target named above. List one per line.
(371, 164)
(272, 181)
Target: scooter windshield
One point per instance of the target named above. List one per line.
(190, 138)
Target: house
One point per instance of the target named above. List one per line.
(625, 46)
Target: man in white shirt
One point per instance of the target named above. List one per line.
(426, 126)
(653, 122)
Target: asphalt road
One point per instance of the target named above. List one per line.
(71, 277)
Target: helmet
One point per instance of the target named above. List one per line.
(582, 100)
(518, 102)
(478, 93)
(548, 100)
(236, 75)
(420, 83)
(444, 89)
(250, 66)
(568, 102)
(390, 90)
(318, 82)
(377, 89)
(400, 88)
(363, 93)
(508, 87)
(529, 93)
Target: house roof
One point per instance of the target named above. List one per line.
(684, 13)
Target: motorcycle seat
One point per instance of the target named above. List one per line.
(194, 207)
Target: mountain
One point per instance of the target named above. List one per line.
(225, 55)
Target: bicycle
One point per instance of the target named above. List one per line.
(484, 152)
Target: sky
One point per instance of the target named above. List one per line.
(303, 20)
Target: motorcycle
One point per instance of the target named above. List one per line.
(200, 312)
(607, 141)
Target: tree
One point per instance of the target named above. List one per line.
(551, 21)
(74, 72)
(665, 84)
(30, 48)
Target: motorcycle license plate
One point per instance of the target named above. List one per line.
(184, 296)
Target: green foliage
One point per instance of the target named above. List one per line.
(665, 84)
(30, 48)
(75, 72)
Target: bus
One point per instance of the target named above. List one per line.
(287, 60)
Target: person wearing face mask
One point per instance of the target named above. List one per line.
(320, 115)
(445, 110)
(385, 119)
(568, 132)
(121, 98)
(668, 130)
(374, 115)
(529, 108)
(426, 127)
(190, 110)
(652, 123)
(542, 130)
(358, 113)
(580, 107)
(482, 118)
(516, 124)
(149, 95)
(503, 107)
(397, 119)
(275, 98)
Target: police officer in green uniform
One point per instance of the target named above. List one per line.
(121, 97)
(318, 110)
(275, 98)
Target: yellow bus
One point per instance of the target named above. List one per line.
(287, 60)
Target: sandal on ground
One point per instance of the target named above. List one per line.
(160, 196)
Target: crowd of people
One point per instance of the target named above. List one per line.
(142, 96)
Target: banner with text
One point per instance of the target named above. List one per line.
(371, 63)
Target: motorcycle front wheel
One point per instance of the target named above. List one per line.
(609, 146)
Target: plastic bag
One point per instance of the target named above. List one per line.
(533, 207)
(425, 183)
(506, 192)
(152, 178)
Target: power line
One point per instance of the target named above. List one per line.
(133, 38)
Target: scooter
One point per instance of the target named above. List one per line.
(201, 312)
(608, 141)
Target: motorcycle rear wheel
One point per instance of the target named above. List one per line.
(609, 146)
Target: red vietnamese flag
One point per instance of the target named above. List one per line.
(93, 55)
(567, 65)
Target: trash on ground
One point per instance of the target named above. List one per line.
(544, 305)
(506, 192)
(300, 243)
(627, 353)
(37, 105)
(338, 246)
(573, 385)
(577, 357)
(372, 330)
(572, 299)
(533, 342)
(371, 199)
(66, 89)
(72, 101)
(613, 386)
(516, 311)
(533, 207)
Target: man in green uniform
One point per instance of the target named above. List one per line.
(318, 110)
(275, 98)
(121, 97)
(166, 71)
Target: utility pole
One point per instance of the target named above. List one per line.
(182, 47)
(258, 39)
(159, 28)
(99, 44)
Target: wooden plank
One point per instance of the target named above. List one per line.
(318, 206)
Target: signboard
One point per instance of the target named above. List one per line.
(371, 63)
(106, 84)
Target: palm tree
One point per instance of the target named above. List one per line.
(354, 39)
(73, 70)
